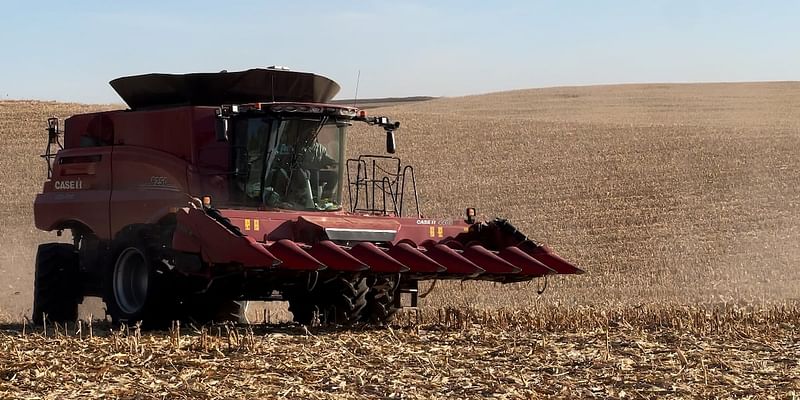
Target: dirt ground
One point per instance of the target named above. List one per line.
(670, 196)
(707, 356)
(664, 193)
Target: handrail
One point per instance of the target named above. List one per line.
(407, 169)
(374, 181)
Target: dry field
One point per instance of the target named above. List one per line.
(681, 202)
(746, 354)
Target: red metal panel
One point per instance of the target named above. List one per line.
(78, 191)
(166, 130)
(147, 184)
(196, 230)
(414, 259)
(419, 230)
(335, 257)
(294, 257)
(376, 259)
(90, 130)
(265, 226)
(528, 264)
(208, 172)
(454, 262)
(548, 258)
(489, 261)
(282, 224)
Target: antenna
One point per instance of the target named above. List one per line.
(358, 79)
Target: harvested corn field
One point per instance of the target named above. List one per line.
(739, 352)
(680, 201)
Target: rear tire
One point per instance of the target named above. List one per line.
(348, 298)
(56, 288)
(381, 307)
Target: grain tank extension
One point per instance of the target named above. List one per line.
(218, 188)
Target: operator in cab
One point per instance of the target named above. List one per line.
(300, 174)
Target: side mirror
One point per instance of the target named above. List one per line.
(52, 130)
(390, 144)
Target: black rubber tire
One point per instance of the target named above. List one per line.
(56, 288)
(158, 307)
(340, 301)
(381, 307)
(348, 298)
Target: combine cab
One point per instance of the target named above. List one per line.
(215, 189)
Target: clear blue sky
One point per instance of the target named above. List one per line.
(70, 50)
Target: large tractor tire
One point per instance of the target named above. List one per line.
(137, 285)
(56, 288)
(346, 301)
(340, 301)
(381, 306)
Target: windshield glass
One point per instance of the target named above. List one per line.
(291, 163)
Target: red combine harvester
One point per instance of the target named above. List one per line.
(218, 188)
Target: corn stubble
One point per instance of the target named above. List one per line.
(681, 353)
(681, 201)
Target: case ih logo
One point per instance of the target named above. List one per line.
(434, 222)
(69, 185)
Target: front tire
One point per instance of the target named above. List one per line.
(136, 288)
(56, 288)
